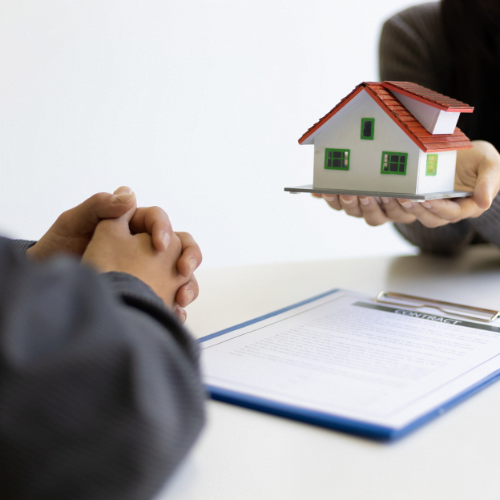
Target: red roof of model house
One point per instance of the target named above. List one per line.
(428, 97)
(426, 141)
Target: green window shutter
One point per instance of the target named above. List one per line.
(394, 163)
(432, 165)
(337, 159)
(367, 128)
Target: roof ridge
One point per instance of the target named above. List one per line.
(400, 114)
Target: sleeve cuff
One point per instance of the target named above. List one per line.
(126, 285)
(22, 245)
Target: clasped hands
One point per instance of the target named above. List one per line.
(110, 233)
(478, 170)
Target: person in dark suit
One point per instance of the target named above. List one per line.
(452, 47)
(100, 392)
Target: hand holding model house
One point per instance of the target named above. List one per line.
(478, 170)
(393, 141)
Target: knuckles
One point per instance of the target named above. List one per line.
(159, 213)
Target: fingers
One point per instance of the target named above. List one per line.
(433, 213)
(187, 293)
(333, 200)
(350, 205)
(180, 313)
(366, 207)
(395, 212)
(372, 211)
(191, 255)
(155, 221)
(430, 213)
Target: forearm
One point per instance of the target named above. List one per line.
(100, 397)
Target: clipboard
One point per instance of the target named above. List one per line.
(223, 386)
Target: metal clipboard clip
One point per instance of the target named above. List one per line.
(467, 312)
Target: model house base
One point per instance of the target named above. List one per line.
(390, 139)
(308, 188)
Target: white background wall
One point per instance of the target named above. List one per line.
(198, 105)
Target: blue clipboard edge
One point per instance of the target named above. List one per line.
(329, 421)
(265, 316)
(321, 419)
(350, 426)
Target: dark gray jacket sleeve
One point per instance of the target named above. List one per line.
(100, 394)
(412, 48)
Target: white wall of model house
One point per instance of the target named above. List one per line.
(343, 131)
(444, 179)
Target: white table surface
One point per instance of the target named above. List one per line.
(244, 454)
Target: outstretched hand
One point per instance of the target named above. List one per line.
(478, 170)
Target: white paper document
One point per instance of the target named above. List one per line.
(347, 356)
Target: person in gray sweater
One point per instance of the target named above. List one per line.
(452, 47)
(100, 392)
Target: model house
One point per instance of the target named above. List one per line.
(389, 137)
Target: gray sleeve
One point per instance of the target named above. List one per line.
(23, 245)
(100, 392)
(412, 48)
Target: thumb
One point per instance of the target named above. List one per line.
(123, 204)
(120, 226)
(84, 218)
(117, 227)
(122, 196)
(482, 194)
(110, 213)
(488, 175)
(486, 187)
